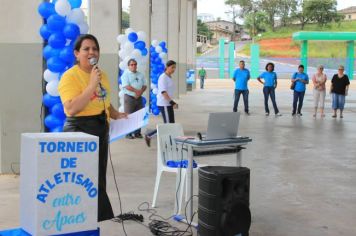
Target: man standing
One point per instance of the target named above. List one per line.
(300, 79)
(202, 75)
(241, 77)
(133, 85)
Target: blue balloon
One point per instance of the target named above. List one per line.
(51, 122)
(154, 100)
(152, 49)
(132, 37)
(71, 31)
(57, 129)
(49, 52)
(45, 9)
(155, 111)
(67, 54)
(56, 22)
(144, 101)
(55, 64)
(140, 45)
(45, 32)
(162, 44)
(49, 101)
(57, 40)
(144, 52)
(158, 60)
(154, 55)
(75, 3)
(58, 111)
(164, 50)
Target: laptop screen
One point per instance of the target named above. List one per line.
(223, 125)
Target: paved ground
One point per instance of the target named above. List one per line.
(303, 170)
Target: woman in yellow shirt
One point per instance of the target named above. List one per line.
(84, 90)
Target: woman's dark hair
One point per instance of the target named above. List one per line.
(79, 41)
(170, 63)
(131, 60)
(269, 63)
(300, 66)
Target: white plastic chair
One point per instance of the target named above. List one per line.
(168, 150)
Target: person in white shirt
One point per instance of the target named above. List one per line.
(133, 86)
(165, 103)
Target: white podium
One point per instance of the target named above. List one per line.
(59, 184)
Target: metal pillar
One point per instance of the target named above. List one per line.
(350, 57)
(304, 55)
(231, 59)
(221, 59)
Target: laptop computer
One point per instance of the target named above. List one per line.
(222, 125)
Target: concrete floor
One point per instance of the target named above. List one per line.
(303, 170)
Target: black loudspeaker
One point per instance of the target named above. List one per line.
(224, 194)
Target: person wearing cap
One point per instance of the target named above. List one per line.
(319, 81)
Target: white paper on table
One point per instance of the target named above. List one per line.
(121, 127)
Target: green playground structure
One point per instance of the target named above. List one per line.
(348, 37)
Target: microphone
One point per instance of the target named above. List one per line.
(94, 62)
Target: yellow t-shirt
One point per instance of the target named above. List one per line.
(73, 83)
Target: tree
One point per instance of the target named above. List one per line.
(286, 9)
(301, 14)
(203, 29)
(256, 22)
(271, 8)
(322, 11)
(234, 13)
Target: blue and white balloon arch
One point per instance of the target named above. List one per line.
(64, 22)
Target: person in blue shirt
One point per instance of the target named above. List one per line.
(300, 79)
(133, 85)
(269, 85)
(241, 77)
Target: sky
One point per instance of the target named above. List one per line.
(218, 8)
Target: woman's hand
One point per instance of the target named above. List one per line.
(95, 77)
(175, 106)
(121, 115)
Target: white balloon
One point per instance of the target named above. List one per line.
(52, 88)
(76, 16)
(163, 55)
(141, 36)
(128, 47)
(121, 38)
(120, 86)
(128, 31)
(121, 94)
(153, 86)
(154, 91)
(62, 7)
(121, 109)
(122, 65)
(154, 43)
(49, 75)
(136, 54)
(158, 49)
(84, 28)
(122, 54)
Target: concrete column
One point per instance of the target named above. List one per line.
(21, 77)
(182, 44)
(189, 39)
(159, 20)
(304, 55)
(173, 38)
(105, 24)
(194, 49)
(140, 20)
(350, 59)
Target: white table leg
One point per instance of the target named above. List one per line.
(190, 184)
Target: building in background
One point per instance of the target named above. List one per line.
(224, 29)
(349, 13)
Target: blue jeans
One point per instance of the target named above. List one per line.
(237, 99)
(298, 96)
(269, 92)
(202, 78)
(338, 101)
